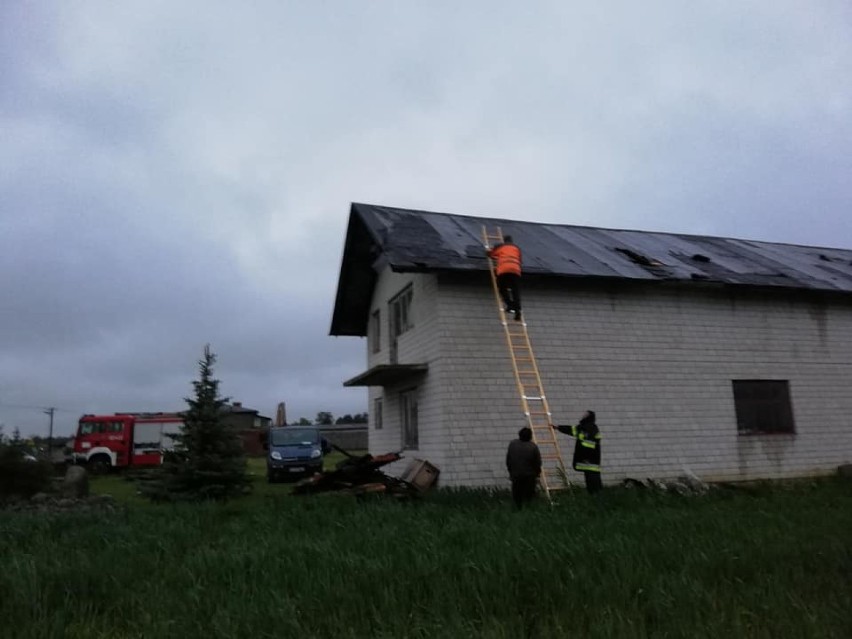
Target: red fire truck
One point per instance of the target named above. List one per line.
(124, 439)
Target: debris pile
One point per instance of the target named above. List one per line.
(684, 485)
(54, 504)
(361, 475)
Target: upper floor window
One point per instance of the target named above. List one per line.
(375, 332)
(763, 406)
(400, 313)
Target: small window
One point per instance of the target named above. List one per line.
(377, 413)
(116, 427)
(763, 406)
(408, 418)
(400, 313)
(375, 334)
(87, 428)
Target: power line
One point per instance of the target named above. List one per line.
(42, 408)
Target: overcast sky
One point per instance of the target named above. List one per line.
(174, 173)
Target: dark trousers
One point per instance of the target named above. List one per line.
(509, 286)
(593, 482)
(523, 490)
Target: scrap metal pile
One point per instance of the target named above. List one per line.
(360, 475)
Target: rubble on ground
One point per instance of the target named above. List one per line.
(361, 475)
(51, 503)
(684, 485)
(68, 494)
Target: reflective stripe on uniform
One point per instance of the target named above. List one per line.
(592, 468)
(588, 444)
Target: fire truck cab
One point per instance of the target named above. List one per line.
(104, 442)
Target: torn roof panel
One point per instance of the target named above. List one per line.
(410, 241)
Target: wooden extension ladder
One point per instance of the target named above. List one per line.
(528, 379)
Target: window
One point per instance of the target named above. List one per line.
(400, 313)
(375, 332)
(408, 419)
(93, 428)
(763, 406)
(377, 413)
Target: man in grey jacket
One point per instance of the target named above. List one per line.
(523, 460)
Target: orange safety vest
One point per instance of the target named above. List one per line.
(508, 258)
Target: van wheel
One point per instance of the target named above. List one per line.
(99, 465)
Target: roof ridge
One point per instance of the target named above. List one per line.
(597, 228)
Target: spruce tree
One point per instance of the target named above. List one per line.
(208, 461)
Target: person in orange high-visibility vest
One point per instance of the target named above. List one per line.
(508, 258)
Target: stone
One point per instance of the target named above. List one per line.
(76, 484)
(658, 485)
(101, 500)
(678, 487)
(694, 484)
(39, 498)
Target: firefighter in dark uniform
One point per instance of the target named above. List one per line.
(587, 450)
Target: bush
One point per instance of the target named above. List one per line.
(20, 475)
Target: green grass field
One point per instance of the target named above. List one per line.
(763, 562)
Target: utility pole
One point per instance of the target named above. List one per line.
(50, 412)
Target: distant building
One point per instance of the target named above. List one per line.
(730, 358)
(241, 418)
(250, 424)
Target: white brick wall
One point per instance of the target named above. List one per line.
(655, 362)
(417, 346)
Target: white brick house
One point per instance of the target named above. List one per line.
(729, 358)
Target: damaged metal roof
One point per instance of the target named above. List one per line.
(421, 241)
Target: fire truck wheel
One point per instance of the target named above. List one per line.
(99, 465)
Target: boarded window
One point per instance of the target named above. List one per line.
(378, 405)
(408, 418)
(763, 406)
(375, 332)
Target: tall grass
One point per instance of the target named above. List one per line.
(772, 562)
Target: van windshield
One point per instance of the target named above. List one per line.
(295, 436)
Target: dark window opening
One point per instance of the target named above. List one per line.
(375, 332)
(399, 319)
(409, 418)
(377, 413)
(763, 406)
(400, 313)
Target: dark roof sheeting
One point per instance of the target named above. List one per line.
(422, 241)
